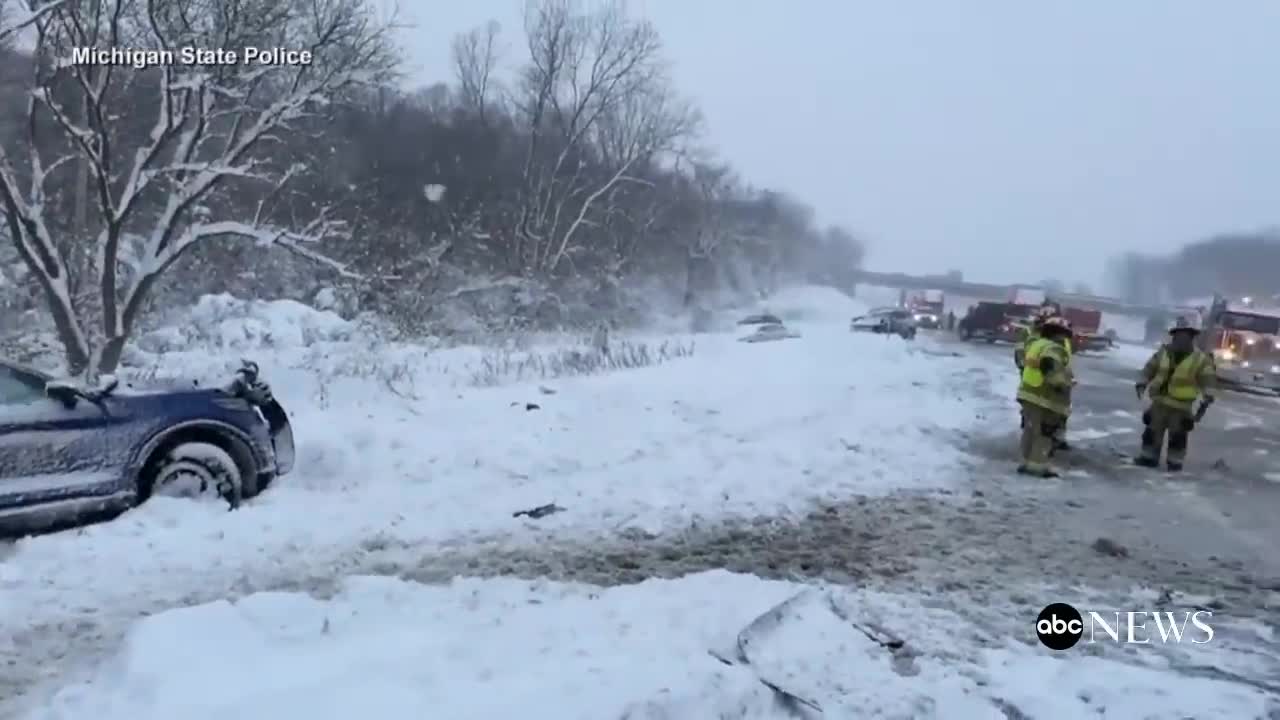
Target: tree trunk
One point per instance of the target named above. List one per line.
(109, 359)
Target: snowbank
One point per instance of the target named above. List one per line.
(503, 648)
(222, 322)
(394, 452)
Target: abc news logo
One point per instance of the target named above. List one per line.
(1060, 627)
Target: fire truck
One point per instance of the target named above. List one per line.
(1245, 341)
(1085, 327)
(927, 307)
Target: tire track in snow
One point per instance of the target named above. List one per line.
(993, 552)
(988, 550)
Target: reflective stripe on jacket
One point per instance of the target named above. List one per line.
(1051, 391)
(1178, 387)
(1020, 351)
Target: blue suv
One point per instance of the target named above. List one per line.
(70, 455)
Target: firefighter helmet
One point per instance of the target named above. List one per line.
(1056, 322)
(1182, 324)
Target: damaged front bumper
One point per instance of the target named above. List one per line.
(249, 386)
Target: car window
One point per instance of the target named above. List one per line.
(18, 388)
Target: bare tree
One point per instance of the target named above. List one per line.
(714, 184)
(475, 61)
(15, 16)
(158, 195)
(584, 69)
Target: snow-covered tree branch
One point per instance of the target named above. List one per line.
(594, 89)
(169, 149)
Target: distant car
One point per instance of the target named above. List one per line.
(888, 321)
(761, 319)
(768, 332)
(70, 455)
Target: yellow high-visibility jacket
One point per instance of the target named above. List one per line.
(1020, 352)
(1178, 386)
(1049, 390)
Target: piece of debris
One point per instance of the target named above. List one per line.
(874, 632)
(750, 635)
(528, 406)
(546, 390)
(1221, 464)
(539, 512)
(1010, 711)
(1107, 546)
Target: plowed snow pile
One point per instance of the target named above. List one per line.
(398, 449)
(500, 649)
(736, 430)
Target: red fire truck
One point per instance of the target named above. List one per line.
(1085, 326)
(1245, 341)
(928, 307)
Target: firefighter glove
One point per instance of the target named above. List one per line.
(1204, 408)
(1140, 388)
(1188, 424)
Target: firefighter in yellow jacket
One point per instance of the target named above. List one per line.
(1045, 395)
(1176, 376)
(1045, 312)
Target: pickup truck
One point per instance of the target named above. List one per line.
(994, 322)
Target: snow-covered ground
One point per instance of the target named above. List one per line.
(1131, 354)
(506, 648)
(736, 430)
(402, 457)
(399, 452)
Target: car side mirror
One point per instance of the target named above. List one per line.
(68, 395)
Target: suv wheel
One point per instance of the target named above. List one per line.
(197, 470)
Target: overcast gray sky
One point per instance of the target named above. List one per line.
(1012, 140)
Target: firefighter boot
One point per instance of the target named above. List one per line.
(1153, 432)
(1037, 441)
(1179, 429)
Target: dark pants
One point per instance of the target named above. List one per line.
(1160, 420)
